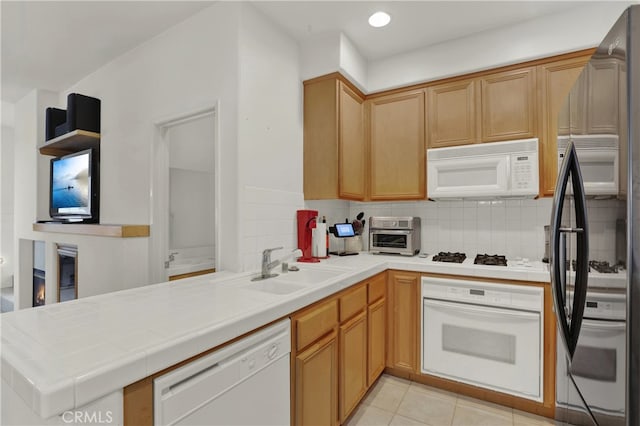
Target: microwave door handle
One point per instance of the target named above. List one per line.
(557, 256)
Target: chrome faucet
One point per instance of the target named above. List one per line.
(172, 256)
(268, 265)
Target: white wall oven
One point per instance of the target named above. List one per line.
(484, 334)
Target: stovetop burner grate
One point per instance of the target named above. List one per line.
(490, 259)
(446, 256)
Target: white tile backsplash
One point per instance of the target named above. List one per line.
(269, 221)
(511, 227)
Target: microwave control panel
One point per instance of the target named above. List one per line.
(524, 172)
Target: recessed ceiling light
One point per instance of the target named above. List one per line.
(379, 19)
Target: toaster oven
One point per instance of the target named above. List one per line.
(396, 235)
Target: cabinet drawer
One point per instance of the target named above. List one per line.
(315, 323)
(377, 287)
(353, 302)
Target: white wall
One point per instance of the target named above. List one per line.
(190, 66)
(6, 194)
(352, 64)
(269, 137)
(192, 183)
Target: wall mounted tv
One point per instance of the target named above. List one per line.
(74, 194)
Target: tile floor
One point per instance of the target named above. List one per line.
(395, 402)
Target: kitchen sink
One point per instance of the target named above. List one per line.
(309, 276)
(273, 287)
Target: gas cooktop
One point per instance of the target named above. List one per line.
(490, 259)
(446, 256)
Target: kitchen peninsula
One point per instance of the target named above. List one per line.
(142, 331)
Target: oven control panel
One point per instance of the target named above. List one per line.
(483, 293)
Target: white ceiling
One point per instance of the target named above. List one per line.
(414, 24)
(53, 44)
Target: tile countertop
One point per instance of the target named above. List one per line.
(63, 356)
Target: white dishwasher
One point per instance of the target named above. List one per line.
(244, 383)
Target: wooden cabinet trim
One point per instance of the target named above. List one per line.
(473, 75)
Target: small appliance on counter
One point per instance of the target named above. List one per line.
(395, 235)
(343, 231)
(307, 221)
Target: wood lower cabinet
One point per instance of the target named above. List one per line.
(509, 105)
(353, 363)
(316, 371)
(376, 329)
(555, 80)
(314, 354)
(397, 147)
(349, 326)
(403, 320)
(453, 114)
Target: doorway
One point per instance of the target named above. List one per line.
(185, 198)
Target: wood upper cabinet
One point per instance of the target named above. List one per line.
(397, 147)
(453, 114)
(508, 105)
(334, 144)
(403, 316)
(351, 145)
(555, 80)
(602, 96)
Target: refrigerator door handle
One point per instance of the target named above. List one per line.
(582, 249)
(569, 319)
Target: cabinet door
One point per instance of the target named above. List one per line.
(351, 145)
(602, 97)
(452, 114)
(316, 374)
(353, 364)
(320, 152)
(555, 81)
(376, 320)
(402, 340)
(508, 105)
(397, 147)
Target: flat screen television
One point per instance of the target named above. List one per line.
(75, 187)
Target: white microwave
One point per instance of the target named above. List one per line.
(481, 171)
(598, 156)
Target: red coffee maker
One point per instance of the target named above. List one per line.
(306, 222)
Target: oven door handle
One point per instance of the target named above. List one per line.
(603, 325)
(390, 231)
(569, 319)
(481, 310)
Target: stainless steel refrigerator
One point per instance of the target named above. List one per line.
(595, 236)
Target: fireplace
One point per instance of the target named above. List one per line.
(38, 287)
(67, 272)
